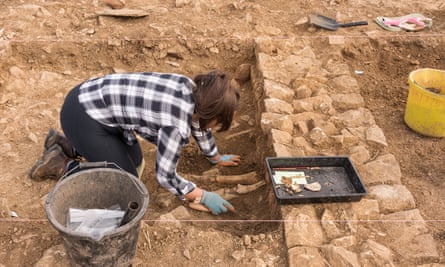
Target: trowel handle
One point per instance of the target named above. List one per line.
(355, 23)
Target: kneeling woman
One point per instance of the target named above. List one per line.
(101, 117)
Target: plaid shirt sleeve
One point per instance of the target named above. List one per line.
(205, 140)
(169, 145)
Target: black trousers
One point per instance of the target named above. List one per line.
(94, 141)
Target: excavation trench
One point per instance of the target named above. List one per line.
(51, 69)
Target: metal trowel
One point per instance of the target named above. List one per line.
(331, 24)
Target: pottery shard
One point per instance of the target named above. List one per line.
(314, 187)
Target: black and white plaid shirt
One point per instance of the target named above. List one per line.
(156, 106)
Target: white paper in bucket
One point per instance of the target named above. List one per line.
(94, 222)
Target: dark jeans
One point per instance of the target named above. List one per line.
(94, 141)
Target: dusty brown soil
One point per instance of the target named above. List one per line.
(73, 43)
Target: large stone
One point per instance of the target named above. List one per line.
(359, 154)
(384, 169)
(345, 84)
(376, 137)
(303, 228)
(339, 256)
(303, 92)
(366, 209)
(402, 228)
(328, 222)
(305, 256)
(301, 105)
(277, 106)
(280, 137)
(342, 102)
(392, 198)
(307, 116)
(277, 121)
(376, 254)
(354, 118)
(276, 90)
(322, 103)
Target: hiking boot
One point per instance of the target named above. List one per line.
(54, 137)
(51, 165)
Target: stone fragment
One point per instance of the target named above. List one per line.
(123, 12)
(375, 136)
(304, 145)
(302, 106)
(186, 254)
(338, 139)
(318, 137)
(359, 154)
(287, 151)
(301, 128)
(238, 255)
(182, 3)
(307, 116)
(382, 254)
(336, 39)
(16, 72)
(303, 92)
(326, 126)
(348, 137)
(345, 241)
(5, 212)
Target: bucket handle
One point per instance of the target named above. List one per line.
(100, 164)
(86, 165)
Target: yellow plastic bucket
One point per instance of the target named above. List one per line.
(425, 107)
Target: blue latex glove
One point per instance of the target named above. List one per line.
(215, 203)
(226, 160)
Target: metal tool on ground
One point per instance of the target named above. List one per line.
(331, 24)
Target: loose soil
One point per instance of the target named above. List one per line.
(58, 50)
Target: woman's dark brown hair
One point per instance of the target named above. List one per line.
(215, 98)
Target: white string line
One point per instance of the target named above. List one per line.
(251, 221)
(229, 38)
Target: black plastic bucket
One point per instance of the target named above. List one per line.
(98, 188)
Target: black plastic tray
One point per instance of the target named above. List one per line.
(338, 177)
